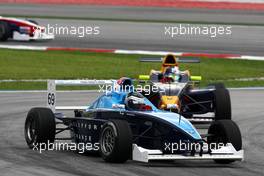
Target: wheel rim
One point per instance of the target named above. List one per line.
(31, 130)
(108, 141)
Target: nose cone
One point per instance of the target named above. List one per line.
(169, 101)
(180, 122)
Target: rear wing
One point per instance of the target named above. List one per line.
(170, 61)
(147, 77)
(51, 91)
(160, 59)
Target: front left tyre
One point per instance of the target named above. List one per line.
(223, 132)
(40, 127)
(116, 141)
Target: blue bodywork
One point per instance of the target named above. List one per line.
(151, 128)
(106, 102)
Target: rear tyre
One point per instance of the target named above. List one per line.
(116, 141)
(222, 104)
(225, 131)
(5, 32)
(40, 127)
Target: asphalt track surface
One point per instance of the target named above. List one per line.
(245, 40)
(17, 159)
(135, 13)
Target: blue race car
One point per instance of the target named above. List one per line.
(122, 124)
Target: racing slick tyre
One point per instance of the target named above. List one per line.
(40, 127)
(225, 131)
(5, 32)
(116, 141)
(222, 104)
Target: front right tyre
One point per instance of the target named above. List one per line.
(40, 127)
(5, 31)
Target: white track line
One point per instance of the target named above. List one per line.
(162, 53)
(22, 47)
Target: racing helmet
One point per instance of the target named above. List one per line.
(124, 84)
(134, 101)
(172, 74)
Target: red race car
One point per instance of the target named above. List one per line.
(22, 30)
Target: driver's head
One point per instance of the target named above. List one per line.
(124, 84)
(134, 101)
(171, 73)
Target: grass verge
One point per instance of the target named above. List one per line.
(20, 65)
